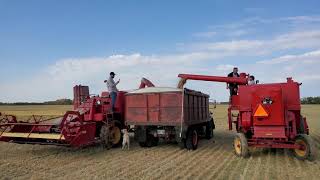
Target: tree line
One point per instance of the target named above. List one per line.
(56, 102)
(310, 100)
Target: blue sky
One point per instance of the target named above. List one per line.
(48, 46)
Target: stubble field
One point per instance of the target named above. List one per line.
(214, 159)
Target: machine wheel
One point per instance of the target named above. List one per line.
(192, 139)
(240, 145)
(104, 137)
(307, 150)
(209, 129)
(115, 136)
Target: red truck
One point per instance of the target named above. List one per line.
(180, 115)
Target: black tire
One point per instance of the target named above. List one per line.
(209, 130)
(192, 139)
(142, 144)
(240, 145)
(104, 137)
(182, 144)
(308, 144)
(150, 141)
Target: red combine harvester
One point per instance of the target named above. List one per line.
(268, 116)
(91, 121)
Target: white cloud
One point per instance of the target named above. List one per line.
(306, 58)
(293, 40)
(57, 80)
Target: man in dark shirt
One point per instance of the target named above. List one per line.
(233, 87)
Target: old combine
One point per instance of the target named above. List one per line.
(91, 121)
(265, 116)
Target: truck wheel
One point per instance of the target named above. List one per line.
(192, 139)
(240, 145)
(307, 148)
(209, 130)
(150, 141)
(182, 144)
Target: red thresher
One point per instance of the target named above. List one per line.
(266, 116)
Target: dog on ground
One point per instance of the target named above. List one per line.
(125, 139)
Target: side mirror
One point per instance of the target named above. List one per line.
(257, 81)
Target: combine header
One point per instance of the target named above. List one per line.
(265, 116)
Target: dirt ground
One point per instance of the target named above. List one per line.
(214, 159)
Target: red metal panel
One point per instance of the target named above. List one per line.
(275, 109)
(153, 106)
(136, 108)
(269, 132)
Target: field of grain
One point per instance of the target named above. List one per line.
(214, 159)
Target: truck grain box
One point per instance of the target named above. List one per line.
(180, 115)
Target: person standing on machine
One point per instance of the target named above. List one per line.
(233, 87)
(112, 88)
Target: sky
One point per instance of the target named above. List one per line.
(47, 47)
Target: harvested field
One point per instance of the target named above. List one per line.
(214, 158)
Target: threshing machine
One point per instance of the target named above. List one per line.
(266, 116)
(91, 121)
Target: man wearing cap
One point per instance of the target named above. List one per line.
(112, 88)
(233, 87)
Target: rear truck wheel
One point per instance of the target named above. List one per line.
(209, 129)
(240, 145)
(182, 144)
(307, 148)
(192, 139)
(150, 141)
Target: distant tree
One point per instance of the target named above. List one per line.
(310, 100)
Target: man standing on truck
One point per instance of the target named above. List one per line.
(112, 88)
(233, 87)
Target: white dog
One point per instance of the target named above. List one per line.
(126, 139)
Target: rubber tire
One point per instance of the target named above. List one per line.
(189, 141)
(104, 139)
(311, 149)
(150, 141)
(182, 144)
(244, 145)
(121, 137)
(209, 130)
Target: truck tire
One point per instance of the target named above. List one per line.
(240, 145)
(192, 139)
(308, 148)
(150, 141)
(209, 130)
(182, 144)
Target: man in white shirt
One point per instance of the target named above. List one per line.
(251, 80)
(112, 88)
